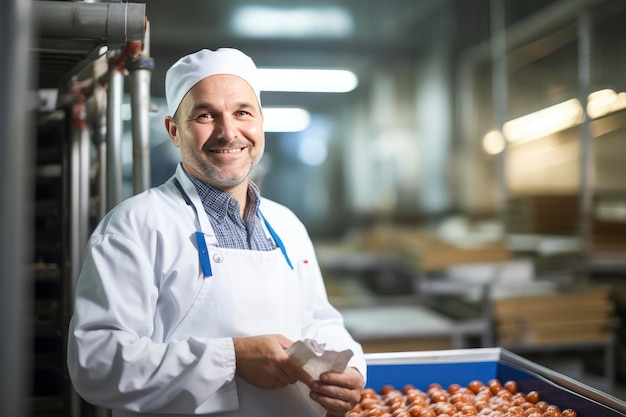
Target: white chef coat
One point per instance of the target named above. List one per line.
(151, 334)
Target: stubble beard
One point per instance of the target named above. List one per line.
(216, 176)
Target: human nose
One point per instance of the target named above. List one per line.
(226, 128)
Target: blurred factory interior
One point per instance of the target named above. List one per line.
(466, 190)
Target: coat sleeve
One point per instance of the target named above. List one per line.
(112, 359)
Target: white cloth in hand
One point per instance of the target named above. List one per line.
(315, 360)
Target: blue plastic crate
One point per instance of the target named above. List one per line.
(465, 365)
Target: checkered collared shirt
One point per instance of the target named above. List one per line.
(231, 230)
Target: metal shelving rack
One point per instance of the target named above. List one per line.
(73, 40)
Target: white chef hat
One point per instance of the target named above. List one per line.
(190, 69)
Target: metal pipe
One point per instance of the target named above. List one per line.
(468, 129)
(140, 71)
(99, 139)
(15, 205)
(74, 234)
(499, 92)
(140, 107)
(101, 155)
(79, 188)
(115, 23)
(587, 151)
(84, 184)
(114, 136)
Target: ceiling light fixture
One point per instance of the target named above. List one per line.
(563, 116)
(285, 119)
(603, 102)
(493, 142)
(298, 22)
(307, 80)
(544, 122)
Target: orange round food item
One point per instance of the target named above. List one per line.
(505, 395)
(396, 403)
(408, 388)
(516, 409)
(518, 399)
(483, 396)
(369, 393)
(375, 412)
(511, 386)
(368, 403)
(475, 386)
(532, 397)
(452, 388)
(427, 412)
(481, 405)
(491, 400)
(439, 396)
(469, 410)
(498, 405)
(461, 398)
(392, 395)
(400, 412)
(434, 385)
(494, 385)
(415, 410)
(552, 411)
(444, 408)
(416, 396)
(386, 389)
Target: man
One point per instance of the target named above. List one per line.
(192, 291)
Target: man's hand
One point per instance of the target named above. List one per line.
(338, 392)
(263, 363)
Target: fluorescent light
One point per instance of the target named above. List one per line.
(493, 142)
(295, 22)
(544, 122)
(602, 102)
(285, 119)
(307, 80)
(563, 116)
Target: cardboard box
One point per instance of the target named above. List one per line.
(562, 316)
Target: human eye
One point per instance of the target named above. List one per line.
(203, 117)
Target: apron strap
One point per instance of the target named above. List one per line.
(203, 253)
(183, 193)
(277, 240)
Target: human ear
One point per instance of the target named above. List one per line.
(172, 130)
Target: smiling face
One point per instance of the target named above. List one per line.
(219, 131)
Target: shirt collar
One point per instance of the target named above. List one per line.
(217, 203)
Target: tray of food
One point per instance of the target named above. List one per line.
(481, 381)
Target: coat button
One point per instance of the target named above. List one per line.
(217, 257)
